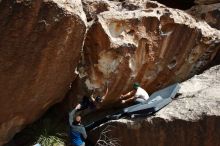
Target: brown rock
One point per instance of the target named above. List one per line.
(40, 46)
(94, 7)
(209, 13)
(155, 46)
(184, 5)
(205, 2)
(192, 119)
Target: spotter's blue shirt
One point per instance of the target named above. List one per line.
(77, 132)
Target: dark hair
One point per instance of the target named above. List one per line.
(98, 99)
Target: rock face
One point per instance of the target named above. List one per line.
(41, 43)
(204, 2)
(40, 46)
(184, 5)
(151, 44)
(192, 119)
(208, 13)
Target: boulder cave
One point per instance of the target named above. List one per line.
(53, 52)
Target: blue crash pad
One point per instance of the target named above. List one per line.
(157, 101)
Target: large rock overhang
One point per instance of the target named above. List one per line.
(155, 46)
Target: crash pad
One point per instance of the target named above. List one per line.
(156, 101)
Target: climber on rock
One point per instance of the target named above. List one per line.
(77, 130)
(138, 95)
(91, 102)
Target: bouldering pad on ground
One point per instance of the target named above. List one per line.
(157, 101)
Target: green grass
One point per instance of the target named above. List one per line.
(50, 134)
(47, 132)
(47, 140)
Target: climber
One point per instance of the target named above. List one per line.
(91, 102)
(77, 130)
(138, 95)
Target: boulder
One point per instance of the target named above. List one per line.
(208, 13)
(40, 45)
(191, 119)
(205, 2)
(127, 41)
(184, 5)
(150, 44)
(94, 7)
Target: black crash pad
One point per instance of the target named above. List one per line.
(157, 101)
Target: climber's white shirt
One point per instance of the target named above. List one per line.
(141, 93)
